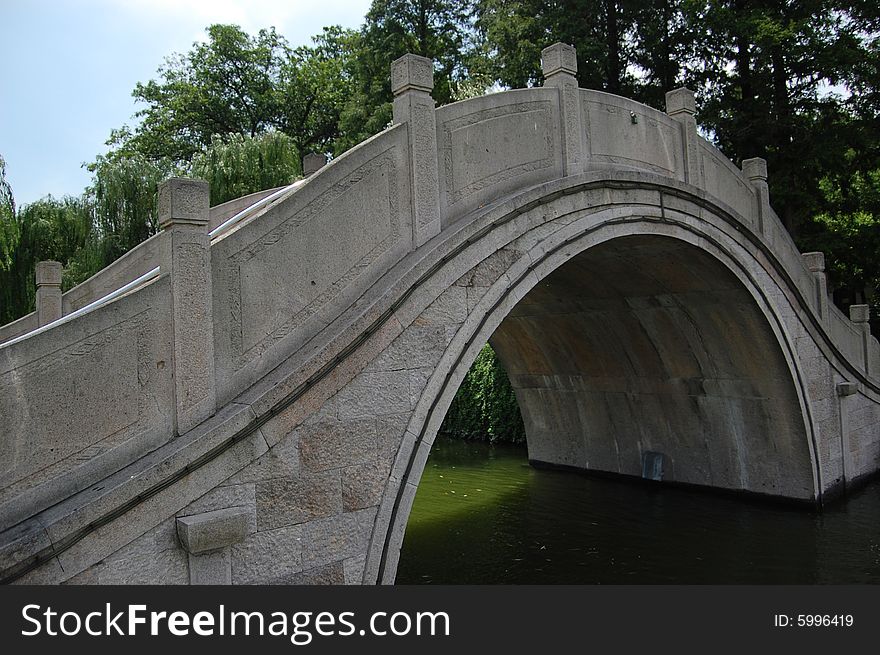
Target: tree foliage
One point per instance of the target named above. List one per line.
(8, 225)
(237, 165)
(235, 83)
(61, 230)
(484, 407)
(441, 30)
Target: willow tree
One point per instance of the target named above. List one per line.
(237, 165)
(8, 225)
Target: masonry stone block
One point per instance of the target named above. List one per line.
(268, 557)
(337, 538)
(332, 444)
(202, 533)
(283, 501)
(212, 568)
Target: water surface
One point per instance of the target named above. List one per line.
(482, 515)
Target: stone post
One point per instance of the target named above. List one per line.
(207, 538)
(844, 391)
(860, 315)
(186, 257)
(312, 163)
(559, 65)
(412, 80)
(755, 170)
(681, 106)
(48, 292)
(815, 262)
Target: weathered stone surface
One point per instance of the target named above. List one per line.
(354, 569)
(336, 538)
(333, 444)
(328, 574)
(416, 347)
(371, 394)
(363, 484)
(211, 568)
(225, 497)
(268, 557)
(288, 501)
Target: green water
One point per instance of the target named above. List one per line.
(482, 515)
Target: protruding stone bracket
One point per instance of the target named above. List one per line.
(755, 169)
(860, 315)
(186, 257)
(207, 538)
(815, 262)
(559, 65)
(312, 163)
(681, 105)
(412, 79)
(48, 278)
(847, 388)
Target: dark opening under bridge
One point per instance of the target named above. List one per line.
(251, 395)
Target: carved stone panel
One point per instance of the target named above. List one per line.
(294, 270)
(495, 149)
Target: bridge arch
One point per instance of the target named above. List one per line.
(281, 363)
(677, 291)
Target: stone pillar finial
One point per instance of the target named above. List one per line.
(412, 73)
(859, 314)
(815, 261)
(183, 201)
(48, 278)
(755, 168)
(559, 58)
(412, 79)
(680, 101)
(312, 163)
(184, 212)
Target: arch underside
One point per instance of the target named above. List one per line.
(647, 344)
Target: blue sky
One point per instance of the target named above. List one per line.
(69, 67)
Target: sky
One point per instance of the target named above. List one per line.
(69, 67)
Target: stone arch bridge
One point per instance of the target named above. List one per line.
(250, 396)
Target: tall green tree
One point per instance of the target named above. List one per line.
(228, 84)
(235, 83)
(441, 30)
(768, 72)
